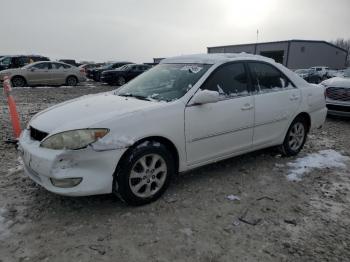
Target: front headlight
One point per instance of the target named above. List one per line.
(74, 139)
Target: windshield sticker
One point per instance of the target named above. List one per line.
(192, 68)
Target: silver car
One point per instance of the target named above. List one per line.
(45, 73)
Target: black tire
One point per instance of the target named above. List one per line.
(290, 149)
(121, 81)
(71, 81)
(124, 185)
(18, 81)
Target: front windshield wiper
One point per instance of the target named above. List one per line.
(135, 96)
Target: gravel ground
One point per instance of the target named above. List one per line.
(199, 218)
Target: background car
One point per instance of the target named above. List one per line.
(337, 92)
(95, 74)
(8, 62)
(124, 74)
(321, 71)
(45, 73)
(309, 75)
(69, 62)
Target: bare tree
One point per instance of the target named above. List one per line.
(345, 44)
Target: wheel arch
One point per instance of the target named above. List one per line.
(160, 139)
(307, 119)
(21, 76)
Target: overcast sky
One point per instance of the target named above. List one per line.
(138, 30)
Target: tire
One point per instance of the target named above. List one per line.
(136, 180)
(71, 81)
(121, 81)
(295, 137)
(18, 81)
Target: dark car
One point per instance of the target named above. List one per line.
(69, 62)
(309, 75)
(10, 62)
(123, 74)
(95, 74)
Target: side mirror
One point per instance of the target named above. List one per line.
(205, 97)
(32, 69)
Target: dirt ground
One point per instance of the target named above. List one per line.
(274, 219)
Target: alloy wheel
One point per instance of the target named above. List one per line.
(148, 175)
(296, 136)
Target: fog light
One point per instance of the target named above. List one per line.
(66, 182)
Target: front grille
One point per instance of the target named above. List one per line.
(339, 108)
(338, 93)
(37, 134)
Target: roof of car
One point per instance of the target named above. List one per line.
(214, 58)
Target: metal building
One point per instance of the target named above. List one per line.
(294, 54)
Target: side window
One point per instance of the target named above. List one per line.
(23, 61)
(57, 66)
(267, 78)
(229, 80)
(41, 66)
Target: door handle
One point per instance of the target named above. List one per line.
(247, 107)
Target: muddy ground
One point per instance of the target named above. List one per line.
(274, 219)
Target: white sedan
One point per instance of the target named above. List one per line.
(187, 112)
(337, 91)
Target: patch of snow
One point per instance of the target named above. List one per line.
(111, 143)
(233, 198)
(321, 160)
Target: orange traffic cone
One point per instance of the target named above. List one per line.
(16, 126)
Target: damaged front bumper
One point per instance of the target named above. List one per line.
(69, 172)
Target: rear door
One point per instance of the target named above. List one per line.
(39, 73)
(58, 73)
(276, 101)
(219, 129)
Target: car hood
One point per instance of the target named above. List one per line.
(87, 112)
(337, 82)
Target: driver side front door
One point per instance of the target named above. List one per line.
(215, 131)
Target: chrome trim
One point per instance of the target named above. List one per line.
(224, 99)
(221, 133)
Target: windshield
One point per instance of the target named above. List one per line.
(124, 67)
(165, 82)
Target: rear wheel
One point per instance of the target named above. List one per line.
(71, 81)
(18, 81)
(295, 137)
(121, 81)
(144, 174)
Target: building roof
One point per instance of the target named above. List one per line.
(214, 58)
(285, 41)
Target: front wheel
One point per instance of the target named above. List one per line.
(295, 138)
(144, 173)
(18, 81)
